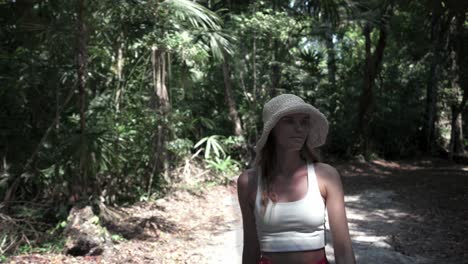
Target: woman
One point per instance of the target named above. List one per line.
(284, 197)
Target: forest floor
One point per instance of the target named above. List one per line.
(398, 212)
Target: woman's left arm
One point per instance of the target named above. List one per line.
(337, 215)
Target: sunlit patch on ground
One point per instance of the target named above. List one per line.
(373, 219)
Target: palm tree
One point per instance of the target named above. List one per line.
(330, 13)
(174, 16)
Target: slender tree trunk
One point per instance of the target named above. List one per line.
(331, 59)
(372, 68)
(439, 27)
(275, 77)
(367, 92)
(119, 69)
(229, 97)
(169, 75)
(81, 36)
(431, 87)
(460, 70)
(57, 130)
(81, 62)
(254, 61)
(455, 127)
(119, 94)
(255, 96)
(275, 74)
(275, 67)
(161, 106)
(456, 136)
(254, 67)
(159, 80)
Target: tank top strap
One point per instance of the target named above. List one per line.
(312, 179)
(259, 187)
(259, 179)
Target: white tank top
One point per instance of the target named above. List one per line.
(292, 226)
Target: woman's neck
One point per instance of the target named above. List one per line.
(286, 162)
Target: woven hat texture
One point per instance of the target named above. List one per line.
(286, 104)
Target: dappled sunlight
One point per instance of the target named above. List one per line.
(373, 218)
(405, 213)
(386, 163)
(368, 169)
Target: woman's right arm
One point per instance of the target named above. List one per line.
(246, 186)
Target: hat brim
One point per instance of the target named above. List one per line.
(317, 133)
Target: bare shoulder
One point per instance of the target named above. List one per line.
(329, 180)
(245, 177)
(247, 184)
(326, 171)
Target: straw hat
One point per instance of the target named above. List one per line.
(286, 104)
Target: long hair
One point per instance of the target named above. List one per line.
(265, 162)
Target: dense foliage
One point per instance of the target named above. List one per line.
(158, 77)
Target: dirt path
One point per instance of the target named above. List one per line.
(398, 213)
(408, 212)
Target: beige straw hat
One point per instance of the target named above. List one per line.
(286, 104)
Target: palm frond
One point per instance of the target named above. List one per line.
(219, 44)
(197, 15)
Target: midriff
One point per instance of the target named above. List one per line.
(297, 257)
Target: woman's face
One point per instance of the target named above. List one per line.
(291, 131)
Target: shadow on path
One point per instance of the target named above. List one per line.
(413, 209)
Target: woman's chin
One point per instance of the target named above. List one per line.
(297, 143)
(293, 147)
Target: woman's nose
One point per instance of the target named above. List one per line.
(298, 127)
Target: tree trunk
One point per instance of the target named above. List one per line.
(275, 77)
(229, 98)
(81, 36)
(439, 27)
(57, 131)
(456, 137)
(275, 74)
(81, 61)
(460, 68)
(372, 68)
(119, 68)
(431, 88)
(161, 106)
(254, 67)
(119, 46)
(159, 80)
(367, 93)
(331, 59)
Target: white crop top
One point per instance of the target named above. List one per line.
(292, 226)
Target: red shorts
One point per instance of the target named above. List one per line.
(266, 260)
